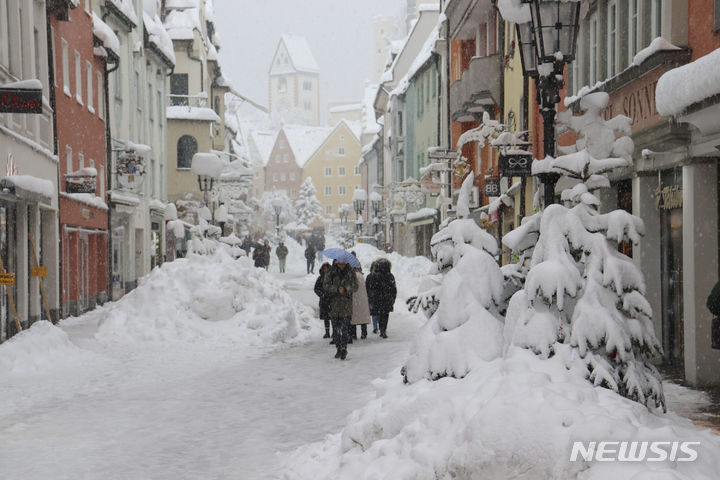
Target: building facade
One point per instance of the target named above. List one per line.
(294, 83)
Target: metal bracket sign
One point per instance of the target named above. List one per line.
(492, 187)
(14, 100)
(36, 271)
(7, 279)
(516, 164)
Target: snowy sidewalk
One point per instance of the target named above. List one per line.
(208, 410)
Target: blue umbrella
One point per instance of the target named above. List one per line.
(342, 256)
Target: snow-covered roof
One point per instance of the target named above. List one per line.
(370, 124)
(420, 59)
(264, 141)
(181, 23)
(183, 112)
(683, 86)
(350, 107)
(300, 54)
(87, 199)
(102, 31)
(127, 9)
(158, 36)
(29, 184)
(305, 140)
(30, 84)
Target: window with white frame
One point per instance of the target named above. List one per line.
(286, 158)
(593, 55)
(275, 177)
(357, 170)
(341, 151)
(328, 191)
(633, 30)
(292, 175)
(278, 159)
(328, 171)
(341, 171)
(68, 159)
(342, 191)
(100, 98)
(65, 67)
(78, 77)
(282, 85)
(656, 15)
(283, 177)
(52, 45)
(101, 181)
(328, 209)
(90, 96)
(612, 37)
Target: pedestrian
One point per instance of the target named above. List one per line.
(319, 246)
(324, 298)
(310, 257)
(246, 245)
(340, 283)
(266, 254)
(373, 317)
(381, 291)
(360, 308)
(282, 252)
(259, 256)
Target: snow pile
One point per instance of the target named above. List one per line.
(515, 417)
(207, 164)
(210, 297)
(657, 45)
(87, 199)
(181, 24)
(30, 183)
(183, 112)
(126, 7)
(106, 34)
(40, 348)
(683, 86)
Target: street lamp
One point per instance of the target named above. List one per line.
(376, 201)
(277, 205)
(547, 43)
(208, 167)
(359, 199)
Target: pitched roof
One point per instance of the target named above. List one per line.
(304, 140)
(264, 142)
(300, 54)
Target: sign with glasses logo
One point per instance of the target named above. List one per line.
(492, 187)
(516, 163)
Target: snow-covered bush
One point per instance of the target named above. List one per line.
(580, 290)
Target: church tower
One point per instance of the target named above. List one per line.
(294, 83)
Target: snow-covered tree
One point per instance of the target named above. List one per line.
(580, 290)
(265, 218)
(307, 206)
(465, 324)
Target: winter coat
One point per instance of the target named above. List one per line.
(381, 289)
(259, 256)
(324, 302)
(281, 251)
(310, 252)
(713, 300)
(340, 304)
(360, 308)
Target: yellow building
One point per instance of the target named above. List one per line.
(334, 168)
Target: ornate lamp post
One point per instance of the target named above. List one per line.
(208, 167)
(547, 43)
(359, 199)
(277, 205)
(376, 201)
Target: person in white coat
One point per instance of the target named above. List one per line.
(360, 307)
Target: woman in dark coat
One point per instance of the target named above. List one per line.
(340, 283)
(324, 303)
(381, 290)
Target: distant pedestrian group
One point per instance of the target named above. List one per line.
(347, 299)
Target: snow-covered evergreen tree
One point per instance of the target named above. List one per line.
(464, 325)
(580, 290)
(264, 218)
(307, 206)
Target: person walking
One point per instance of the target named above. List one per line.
(340, 283)
(259, 256)
(319, 247)
(310, 257)
(246, 245)
(282, 252)
(360, 308)
(266, 254)
(323, 304)
(381, 291)
(373, 317)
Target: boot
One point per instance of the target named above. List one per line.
(338, 354)
(382, 334)
(327, 334)
(343, 354)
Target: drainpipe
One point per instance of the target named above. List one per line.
(53, 101)
(109, 170)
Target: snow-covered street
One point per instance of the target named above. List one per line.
(201, 409)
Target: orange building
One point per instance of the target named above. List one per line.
(78, 72)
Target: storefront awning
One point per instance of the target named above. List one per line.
(28, 188)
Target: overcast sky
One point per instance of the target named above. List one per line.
(339, 32)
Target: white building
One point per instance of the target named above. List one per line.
(294, 83)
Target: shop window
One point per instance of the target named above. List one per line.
(186, 147)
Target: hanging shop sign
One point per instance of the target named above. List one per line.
(492, 187)
(669, 197)
(37, 271)
(14, 100)
(516, 164)
(7, 279)
(130, 170)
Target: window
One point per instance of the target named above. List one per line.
(78, 78)
(283, 177)
(282, 85)
(341, 151)
(186, 147)
(90, 97)
(328, 191)
(593, 50)
(278, 159)
(150, 102)
(399, 124)
(328, 209)
(357, 170)
(342, 191)
(101, 181)
(611, 38)
(328, 171)
(657, 18)
(286, 158)
(292, 175)
(160, 109)
(100, 98)
(68, 159)
(341, 171)
(308, 105)
(65, 68)
(138, 93)
(54, 53)
(307, 85)
(275, 177)
(179, 86)
(632, 29)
